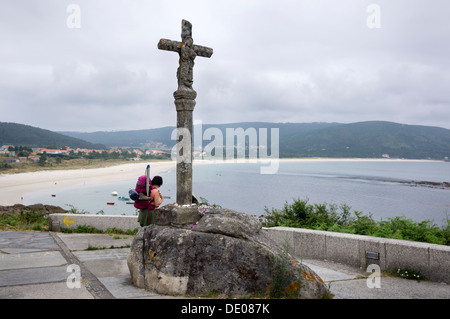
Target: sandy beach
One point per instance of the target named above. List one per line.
(13, 187)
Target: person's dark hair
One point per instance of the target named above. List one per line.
(157, 180)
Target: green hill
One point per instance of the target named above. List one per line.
(136, 138)
(371, 139)
(363, 139)
(25, 135)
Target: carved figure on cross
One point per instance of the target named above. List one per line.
(187, 51)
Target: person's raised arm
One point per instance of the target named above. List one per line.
(158, 198)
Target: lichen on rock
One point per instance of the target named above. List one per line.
(227, 252)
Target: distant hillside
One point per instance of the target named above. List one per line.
(371, 139)
(20, 134)
(137, 138)
(363, 139)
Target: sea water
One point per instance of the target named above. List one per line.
(381, 188)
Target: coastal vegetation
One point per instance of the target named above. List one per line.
(24, 220)
(331, 217)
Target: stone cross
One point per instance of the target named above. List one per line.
(185, 103)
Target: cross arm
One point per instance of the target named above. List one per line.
(175, 46)
(169, 45)
(203, 51)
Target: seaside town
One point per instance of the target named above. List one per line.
(11, 154)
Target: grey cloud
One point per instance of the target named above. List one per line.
(296, 61)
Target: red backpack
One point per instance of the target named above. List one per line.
(140, 189)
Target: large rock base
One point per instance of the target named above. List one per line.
(225, 253)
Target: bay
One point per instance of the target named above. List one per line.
(382, 188)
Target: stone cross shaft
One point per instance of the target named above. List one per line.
(185, 102)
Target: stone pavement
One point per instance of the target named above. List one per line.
(347, 282)
(41, 265)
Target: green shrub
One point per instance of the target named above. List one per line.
(285, 283)
(340, 219)
(24, 220)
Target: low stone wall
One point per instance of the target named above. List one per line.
(432, 260)
(101, 222)
(165, 215)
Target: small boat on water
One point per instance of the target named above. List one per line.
(130, 202)
(114, 193)
(123, 198)
(110, 203)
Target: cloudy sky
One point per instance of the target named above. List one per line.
(274, 60)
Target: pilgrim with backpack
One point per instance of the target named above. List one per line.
(147, 197)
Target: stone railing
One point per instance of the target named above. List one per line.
(432, 260)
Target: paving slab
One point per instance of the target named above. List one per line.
(57, 290)
(390, 288)
(105, 263)
(352, 283)
(330, 275)
(16, 239)
(17, 277)
(122, 287)
(6, 250)
(36, 259)
(84, 241)
(102, 254)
